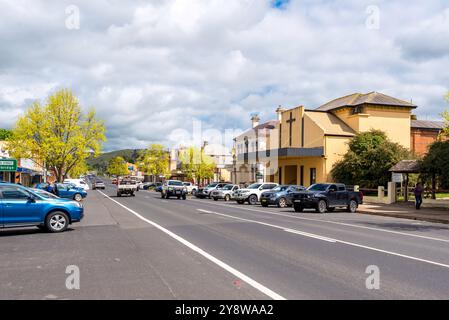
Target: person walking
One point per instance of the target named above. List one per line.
(418, 195)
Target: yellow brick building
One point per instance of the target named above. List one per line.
(302, 145)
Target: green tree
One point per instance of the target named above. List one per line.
(367, 163)
(445, 116)
(57, 135)
(5, 134)
(436, 163)
(195, 164)
(155, 161)
(118, 167)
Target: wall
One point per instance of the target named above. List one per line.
(335, 147)
(297, 114)
(421, 139)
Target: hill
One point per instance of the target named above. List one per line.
(101, 162)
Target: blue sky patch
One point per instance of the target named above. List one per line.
(279, 4)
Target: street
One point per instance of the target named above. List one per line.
(145, 247)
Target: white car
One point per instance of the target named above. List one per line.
(78, 183)
(211, 187)
(253, 192)
(191, 188)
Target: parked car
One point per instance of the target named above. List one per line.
(191, 188)
(327, 197)
(226, 193)
(22, 207)
(206, 192)
(144, 185)
(174, 188)
(253, 192)
(98, 184)
(78, 183)
(126, 186)
(280, 196)
(66, 191)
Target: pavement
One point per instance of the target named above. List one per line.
(407, 211)
(145, 247)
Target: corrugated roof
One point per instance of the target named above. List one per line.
(356, 99)
(330, 124)
(406, 166)
(425, 124)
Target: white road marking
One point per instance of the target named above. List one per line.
(311, 235)
(270, 293)
(332, 222)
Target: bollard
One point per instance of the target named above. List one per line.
(380, 193)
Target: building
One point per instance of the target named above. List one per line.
(423, 134)
(302, 145)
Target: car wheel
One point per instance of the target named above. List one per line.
(57, 222)
(240, 201)
(184, 197)
(331, 209)
(193, 192)
(352, 207)
(178, 197)
(321, 206)
(215, 199)
(298, 207)
(119, 194)
(162, 195)
(252, 200)
(265, 205)
(227, 198)
(282, 203)
(77, 197)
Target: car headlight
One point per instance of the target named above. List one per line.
(170, 189)
(78, 204)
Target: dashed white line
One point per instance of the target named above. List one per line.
(270, 293)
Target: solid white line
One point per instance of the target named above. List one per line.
(332, 222)
(273, 295)
(331, 240)
(310, 235)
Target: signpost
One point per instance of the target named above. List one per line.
(8, 165)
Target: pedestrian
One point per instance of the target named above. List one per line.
(48, 188)
(418, 195)
(55, 189)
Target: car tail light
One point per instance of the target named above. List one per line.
(361, 195)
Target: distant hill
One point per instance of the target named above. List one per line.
(101, 162)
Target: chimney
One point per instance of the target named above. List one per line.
(279, 111)
(255, 120)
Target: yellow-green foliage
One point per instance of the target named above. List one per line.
(155, 160)
(57, 134)
(118, 167)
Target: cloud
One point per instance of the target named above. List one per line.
(153, 67)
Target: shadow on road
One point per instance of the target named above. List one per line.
(403, 226)
(26, 231)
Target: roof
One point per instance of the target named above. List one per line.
(269, 125)
(357, 99)
(330, 124)
(406, 166)
(424, 124)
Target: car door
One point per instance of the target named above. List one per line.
(332, 193)
(64, 190)
(18, 207)
(1, 211)
(342, 196)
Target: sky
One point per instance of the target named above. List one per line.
(154, 70)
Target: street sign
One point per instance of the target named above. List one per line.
(397, 177)
(8, 165)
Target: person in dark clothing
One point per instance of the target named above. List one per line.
(418, 195)
(55, 190)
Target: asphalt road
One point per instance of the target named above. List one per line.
(145, 247)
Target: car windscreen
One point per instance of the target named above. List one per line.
(280, 188)
(175, 183)
(318, 187)
(228, 187)
(255, 186)
(45, 194)
(213, 185)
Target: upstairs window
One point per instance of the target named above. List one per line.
(357, 110)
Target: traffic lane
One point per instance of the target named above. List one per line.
(294, 266)
(127, 259)
(429, 248)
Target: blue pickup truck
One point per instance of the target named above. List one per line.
(23, 207)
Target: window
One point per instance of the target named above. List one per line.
(14, 193)
(357, 110)
(333, 188)
(341, 188)
(312, 176)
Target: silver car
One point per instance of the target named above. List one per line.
(226, 193)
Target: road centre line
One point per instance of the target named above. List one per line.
(330, 239)
(328, 221)
(270, 293)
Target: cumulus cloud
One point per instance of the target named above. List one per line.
(151, 68)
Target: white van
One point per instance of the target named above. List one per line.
(79, 183)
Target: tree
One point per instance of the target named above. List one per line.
(436, 163)
(155, 161)
(57, 135)
(367, 163)
(5, 134)
(195, 164)
(118, 167)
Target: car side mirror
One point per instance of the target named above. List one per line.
(31, 199)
